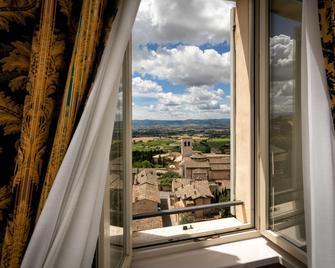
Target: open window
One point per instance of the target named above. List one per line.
(213, 146)
(280, 175)
(192, 89)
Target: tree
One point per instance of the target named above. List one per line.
(146, 164)
(159, 161)
(167, 178)
(170, 174)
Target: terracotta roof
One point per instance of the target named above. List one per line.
(219, 159)
(220, 167)
(198, 156)
(213, 155)
(146, 192)
(190, 163)
(196, 189)
(176, 183)
(214, 162)
(179, 158)
(146, 176)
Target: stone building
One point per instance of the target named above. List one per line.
(205, 166)
(186, 146)
(189, 193)
(146, 199)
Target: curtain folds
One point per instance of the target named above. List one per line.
(79, 70)
(67, 230)
(318, 140)
(327, 30)
(49, 50)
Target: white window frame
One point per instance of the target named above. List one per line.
(259, 74)
(104, 247)
(262, 126)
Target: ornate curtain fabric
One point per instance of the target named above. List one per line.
(327, 29)
(68, 227)
(49, 50)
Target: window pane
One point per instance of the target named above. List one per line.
(116, 186)
(286, 184)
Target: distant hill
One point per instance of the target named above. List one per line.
(210, 123)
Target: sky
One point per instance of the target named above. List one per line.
(283, 56)
(181, 60)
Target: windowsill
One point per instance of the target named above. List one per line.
(175, 233)
(254, 252)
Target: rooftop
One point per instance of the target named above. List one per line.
(145, 192)
(194, 190)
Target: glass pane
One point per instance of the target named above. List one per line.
(286, 184)
(116, 186)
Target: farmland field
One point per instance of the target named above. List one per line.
(166, 144)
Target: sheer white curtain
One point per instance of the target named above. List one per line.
(67, 230)
(318, 146)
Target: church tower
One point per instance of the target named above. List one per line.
(186, 146)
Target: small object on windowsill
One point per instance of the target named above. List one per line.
(185, 228)
(191, 227)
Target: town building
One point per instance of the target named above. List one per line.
(204, 166)
(189, 193)
(146, 199)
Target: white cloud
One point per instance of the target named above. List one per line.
(282, 97)
(187, 65)
(188, 23)
(146, 88)
(196, 102)
(282, 88)
(283, 74)
(185, 21)
(282, 57)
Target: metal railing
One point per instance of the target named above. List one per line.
(186, 209)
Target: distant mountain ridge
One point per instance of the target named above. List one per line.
(211, 123)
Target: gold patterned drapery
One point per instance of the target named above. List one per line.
(327, 30)
(49, 50)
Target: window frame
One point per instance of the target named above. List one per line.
(104, 241)
(259, 78)
(250, 177)
(262, 126)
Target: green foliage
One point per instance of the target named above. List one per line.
(163, 145)
(222, 196)
(201, 146)
(143, 164)
(170, 174)
(146, 150)
(166, 181)
(167, 178)
(186, 220)
(140, 156)
(205, 146)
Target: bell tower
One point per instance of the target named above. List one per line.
(186, 146)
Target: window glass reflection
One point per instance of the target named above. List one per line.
(116, 186)
(286, 185)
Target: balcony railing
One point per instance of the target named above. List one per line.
(186, 209)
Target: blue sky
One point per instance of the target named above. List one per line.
(181, 60)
